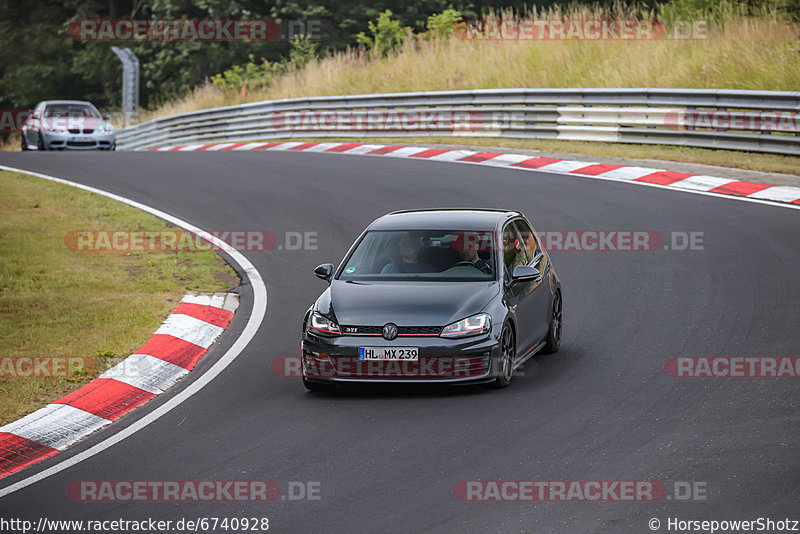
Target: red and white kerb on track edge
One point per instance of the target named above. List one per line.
(172, 351)
(625, 173)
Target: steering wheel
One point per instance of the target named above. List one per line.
(471, 264)
(467, 262)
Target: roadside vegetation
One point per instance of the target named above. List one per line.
(58, 302)
(742, 45)
(745, 47)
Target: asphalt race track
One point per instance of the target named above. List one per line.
(387, 458)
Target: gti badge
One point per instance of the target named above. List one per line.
(389, 331)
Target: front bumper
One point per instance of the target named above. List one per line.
(74, 141)
(440, 359)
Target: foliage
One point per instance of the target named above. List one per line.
(442, 25)
(250, 76)
(387, 35)
(302, 50)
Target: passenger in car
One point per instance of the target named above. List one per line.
(409, 252)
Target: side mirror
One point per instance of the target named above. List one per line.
(524, 273)
(106, 117)
(324, 272)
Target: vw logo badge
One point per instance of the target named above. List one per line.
(389, 331)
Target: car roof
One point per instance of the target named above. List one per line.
(444, 219)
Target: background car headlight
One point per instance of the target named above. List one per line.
(471, 326)
(323, 326)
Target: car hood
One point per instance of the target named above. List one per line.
(405, 303)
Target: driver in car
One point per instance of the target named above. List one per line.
(469, 256)
(409, 252)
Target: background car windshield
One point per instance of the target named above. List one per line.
(72, 110)
(431, 255)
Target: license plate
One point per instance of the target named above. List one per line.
(80, 138)
(388, 353)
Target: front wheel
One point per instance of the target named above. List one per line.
(40, 145)
(556, 326)
(507, 351)
(24, 146)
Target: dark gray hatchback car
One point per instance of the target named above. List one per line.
(441, 295)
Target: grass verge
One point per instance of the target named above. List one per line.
(56, 302)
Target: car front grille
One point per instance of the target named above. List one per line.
(401, 330)
(439, 367)
(78, 130)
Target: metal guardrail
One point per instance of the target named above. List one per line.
(758, 121)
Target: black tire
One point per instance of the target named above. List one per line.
(321, 387)
(40, 144)
(507, 352)
(555, 331)
(24, 146)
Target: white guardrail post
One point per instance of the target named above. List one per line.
(758, 121)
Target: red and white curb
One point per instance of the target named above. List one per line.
(172, 351)
(624, 173)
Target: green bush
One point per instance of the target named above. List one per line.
(251, 75)
(442, 25)
(302, 50)
(387, 35)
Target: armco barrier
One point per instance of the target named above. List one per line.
(759, 121)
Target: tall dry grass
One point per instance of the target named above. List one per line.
(740, 53)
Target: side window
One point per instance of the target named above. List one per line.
(513, 250)
(529, 242)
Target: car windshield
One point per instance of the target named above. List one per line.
(70, 110)
(423, 255)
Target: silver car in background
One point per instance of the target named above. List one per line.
(67, 125)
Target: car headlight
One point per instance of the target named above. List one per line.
(106, 128)
(471, 326)
(323, 326)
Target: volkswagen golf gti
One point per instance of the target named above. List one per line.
(436, 295)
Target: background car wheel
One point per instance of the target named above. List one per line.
(318, 386)
(24, 146)
(556, 326)
(507, 352)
